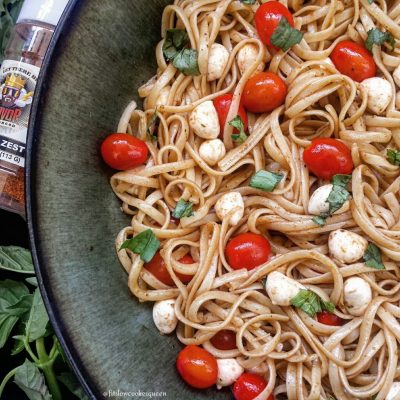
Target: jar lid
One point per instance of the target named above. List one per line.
(47, 11)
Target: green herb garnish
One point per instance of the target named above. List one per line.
(145, 244)
(311, 303)
(175, 41)
(265, 180)
(376, 36)
(186, 62)
(393, 156)
(183, 209)
(239, 125)
(285, 36)
(372, 257)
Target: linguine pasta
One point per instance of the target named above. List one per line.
(300, 358)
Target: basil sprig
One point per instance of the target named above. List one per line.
(183, 209)
(376, 36)
(393, 156)
(372, 257)
(285, 36)
(152, 125)
(311, 303)
(265, 180)
(250, 2)
(145, 244)
(239, 125)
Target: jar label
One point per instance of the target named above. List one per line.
(18, 82)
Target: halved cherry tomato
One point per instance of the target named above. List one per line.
(123, 151)
(248, 386)
(247, 250)
(197, 367)
(264, 92)
(267, 18)
(326, 157)
(157, 267)
(222, 104)
(327, 318)
(354, 60)
(224, 340)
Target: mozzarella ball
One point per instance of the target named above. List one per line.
(229, 371)
(204, 120)
(357, 295)
(396, 76)
(246, 56)
(232, 201)
(162, 98)
(211, 151)
(394, 392)
(217, 61)
(379, 92)
(282, 289)
(164, 316)
(346, 246)
(318, 201)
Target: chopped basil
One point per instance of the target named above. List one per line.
(321, 219)
(145, 244)
(186, 62)
(265, 180)
(370, 1)
(183, 209)
(285, 36)
(341, 180)
(311, 303)
(238, 124)
(393, 156)
(376, 36)
(175, 41)
(372, 257)
(248, 1)
(151, 126)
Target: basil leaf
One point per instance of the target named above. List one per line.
(18, 345)
(183, 209)
(22, 307)
(265, 180)
(311, 303)
(320, 219)
(31, 381)
(393, 156)
(372, 257)
(341, 180)
(186, 62)
(376, 36)
(248, 1)
(152, 125)
(32, 281)
(175, 41)
(145, 244)
(285, 36)
(239, 125)
(72, 384)
(38, 318)
(16, 259)
(339, 194)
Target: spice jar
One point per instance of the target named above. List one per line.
(24, 55)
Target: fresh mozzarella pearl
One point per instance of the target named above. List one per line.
(394, 392)
(162, 99)
(164, 316)
(217, 61)
(357, 295)
(247, 56)
(282, 289)
(396, 75)
(318, 201)
(232, 201)
(229, 371)
(204, 120)
(346, 246)
(211, 151)
(379, 92)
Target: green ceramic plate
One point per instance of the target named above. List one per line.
(101, 52)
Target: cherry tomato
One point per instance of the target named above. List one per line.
(122, 151)
(157, 267)
(197, 367)
(264, 92)
(354, 60)
(224, 340)
(326, 157)
(327, 318)
(248, 386)
(247, 250)
(267, 19)
(222, 104)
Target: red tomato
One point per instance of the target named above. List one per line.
(222, 104)
(157, 267)
(327, 318)
(197, 367)
(122, 151)
(264, 92)
(224, 340)
(267, 19)
(326, 157)
(247, 250)
(248, 386)
(354, 60)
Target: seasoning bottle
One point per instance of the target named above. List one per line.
(23, 58)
